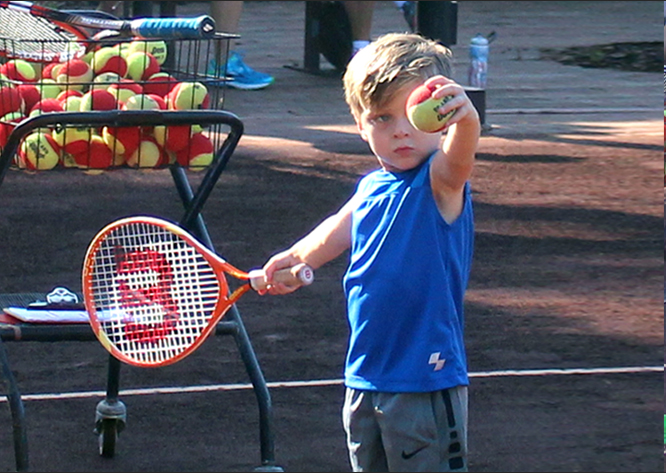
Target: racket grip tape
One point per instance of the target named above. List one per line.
(298, 275)
(200, 27)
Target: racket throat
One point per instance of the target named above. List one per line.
(234, 296)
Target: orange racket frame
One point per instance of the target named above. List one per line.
(154, 293)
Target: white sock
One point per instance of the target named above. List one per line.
(358, 45)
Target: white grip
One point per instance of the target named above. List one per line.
(298, 275)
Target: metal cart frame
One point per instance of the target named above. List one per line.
(110, 414)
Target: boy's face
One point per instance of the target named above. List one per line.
(396, 143)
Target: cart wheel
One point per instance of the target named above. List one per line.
(108, 434)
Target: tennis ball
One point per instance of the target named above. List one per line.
(123, 141)
(48, 89)
(10, 100)
(19, 70)
(71, 103)
(74, 74)
(188, 95)
(173, 137)
(97, 99)
(423, 111)
(105, 80)
(73, 140)
(45, 106)
(149, 154)
(122, 48)
(157, 48)
(98, 155)
(124, 89)
(30, 94)
(141, 65)
(39, 151)
(145, 102)
(65, 94)
(50, 70)
(109, 59)
(7, 125)
(198, 153)
(160, 84)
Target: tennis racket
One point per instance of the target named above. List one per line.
(154, 293)
(37, 33)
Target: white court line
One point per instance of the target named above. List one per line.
(324, 382)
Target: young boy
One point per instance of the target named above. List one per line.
(409, 228)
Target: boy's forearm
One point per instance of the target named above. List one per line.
(460, 146)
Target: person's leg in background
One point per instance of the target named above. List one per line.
(360, 20)
(408, 10)
(240, 76)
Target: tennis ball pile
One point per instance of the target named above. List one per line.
(124, 76)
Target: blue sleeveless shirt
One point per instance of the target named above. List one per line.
(405, 284)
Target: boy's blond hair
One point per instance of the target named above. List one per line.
(380, 69)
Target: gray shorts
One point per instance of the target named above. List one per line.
(406, 431)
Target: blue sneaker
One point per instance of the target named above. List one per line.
(241, 76)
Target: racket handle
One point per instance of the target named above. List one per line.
(199, 27)
(301, 274)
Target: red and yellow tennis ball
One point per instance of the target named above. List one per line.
(7, 125)
(122, 48)
(74, 74)
(188, 96)
(19, 70)
(108, 59)
(198, 154)
(65, 94)
(144, 102)
(124, 89)
(160, 84)
(39, 151)
(157, 48)
(71, 103)
(70, 100)
(97, 156)
(97, 99)
(45, 106)
(50, 71)
(141, 65)
(30, 94)
(105, 80)
(423, 110)
(10, 100)
(149, 154)
(173, 137)
(123, 141)
(73, 140)
(48, 88)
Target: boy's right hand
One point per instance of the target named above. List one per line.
(277, 262)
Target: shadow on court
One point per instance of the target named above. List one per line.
(567, 272)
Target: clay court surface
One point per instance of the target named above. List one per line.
(567, 273)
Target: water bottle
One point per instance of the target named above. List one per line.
(478, 67)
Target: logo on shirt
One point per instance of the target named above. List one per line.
(434, 360)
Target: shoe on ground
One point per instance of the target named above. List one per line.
(239, 75)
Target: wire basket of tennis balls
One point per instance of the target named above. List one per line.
(117, 74)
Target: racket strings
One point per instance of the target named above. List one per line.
(23, 35)
(156, 296)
